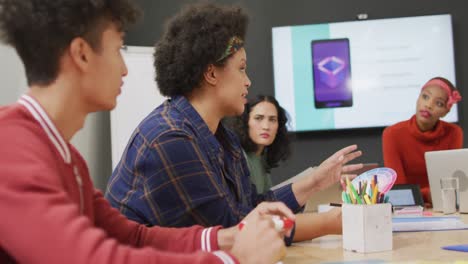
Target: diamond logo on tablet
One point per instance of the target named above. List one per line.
(331, 71)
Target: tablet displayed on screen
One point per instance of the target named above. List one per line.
(331, 70)
(344, 75)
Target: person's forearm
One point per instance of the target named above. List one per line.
(226, 237)
(313, 225)
(303, 189)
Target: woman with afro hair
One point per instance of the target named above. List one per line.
(182, 166)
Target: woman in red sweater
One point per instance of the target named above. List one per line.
(405, 143)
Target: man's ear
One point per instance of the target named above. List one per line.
(80, 52)
(211, 75)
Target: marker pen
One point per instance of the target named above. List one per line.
(281, 224)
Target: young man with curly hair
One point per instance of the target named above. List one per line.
(51, 212)
(182, 166)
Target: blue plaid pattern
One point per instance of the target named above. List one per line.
(175, 172)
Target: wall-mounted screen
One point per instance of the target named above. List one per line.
(360, 73)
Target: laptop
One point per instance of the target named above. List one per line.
(448, 163)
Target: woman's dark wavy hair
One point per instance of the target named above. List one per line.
(280, 149)
(41, 30)
(193, 39)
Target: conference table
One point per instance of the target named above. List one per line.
(408, 247)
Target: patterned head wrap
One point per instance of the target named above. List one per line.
(453, 96)
(234, 44)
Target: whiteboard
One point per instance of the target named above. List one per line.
(139, 97)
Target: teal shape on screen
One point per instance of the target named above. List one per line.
(307, 116)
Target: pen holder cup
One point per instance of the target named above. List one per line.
(367, 228)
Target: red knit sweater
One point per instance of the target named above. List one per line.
(404, 146)
(52, 214)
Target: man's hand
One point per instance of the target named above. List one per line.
(259, 241)
(272, 209)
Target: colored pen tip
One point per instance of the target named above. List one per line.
(288, 223)
(241, 225)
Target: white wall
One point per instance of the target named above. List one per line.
(11, 75)
(139, 97)
(93, 141)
